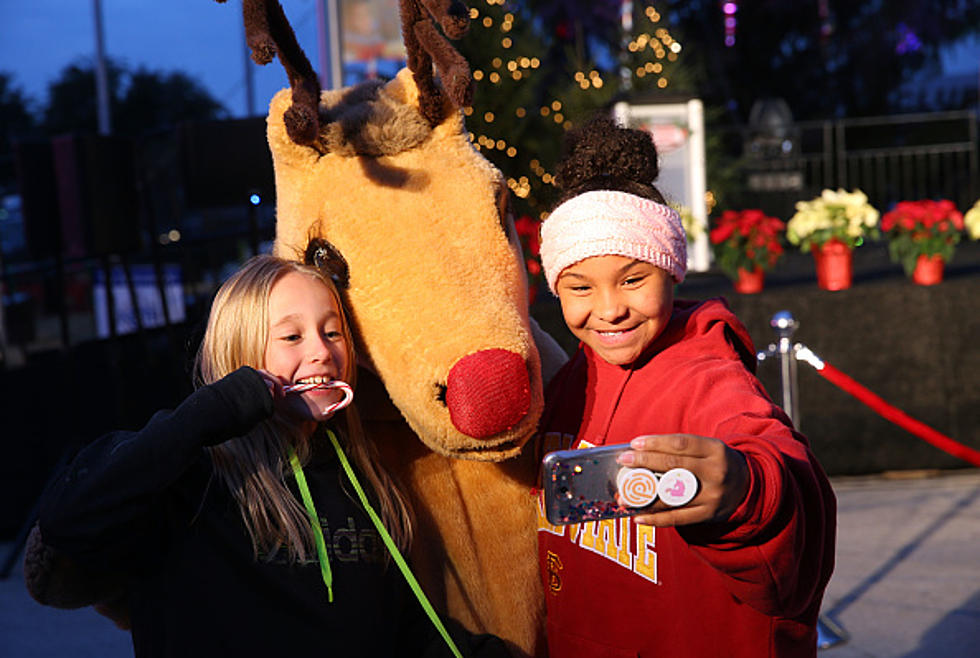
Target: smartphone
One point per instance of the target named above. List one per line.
(582, 485)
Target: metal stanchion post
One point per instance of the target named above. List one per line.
(785, 325)
(829, 634)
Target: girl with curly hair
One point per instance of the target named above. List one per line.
(739, 570)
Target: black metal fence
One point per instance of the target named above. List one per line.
(891, 159)
(107, 269)
(114, 235)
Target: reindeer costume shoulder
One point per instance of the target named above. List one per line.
(380, 183)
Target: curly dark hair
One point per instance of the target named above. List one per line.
(602, 155)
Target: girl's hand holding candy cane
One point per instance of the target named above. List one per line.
(292, 400)
(274, 384)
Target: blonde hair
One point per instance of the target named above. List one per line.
(254, 466)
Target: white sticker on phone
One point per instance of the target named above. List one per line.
(637, 486)
(677, 487)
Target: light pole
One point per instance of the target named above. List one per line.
(101, 77)
(328, 41)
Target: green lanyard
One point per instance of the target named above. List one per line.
(321, 548)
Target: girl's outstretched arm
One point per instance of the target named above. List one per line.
(765, 517)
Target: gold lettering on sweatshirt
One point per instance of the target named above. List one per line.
(646, 556)
(553, 565)
(588, 536)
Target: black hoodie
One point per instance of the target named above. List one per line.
(147, 504)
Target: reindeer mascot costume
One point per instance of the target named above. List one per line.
(380, 184)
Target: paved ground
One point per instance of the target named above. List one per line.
(907, 582)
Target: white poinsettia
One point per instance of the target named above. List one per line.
(692, 227)
(834, 215)
(972, 221)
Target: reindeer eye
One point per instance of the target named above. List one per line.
(324, 256)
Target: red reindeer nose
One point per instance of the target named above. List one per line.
(488, 392)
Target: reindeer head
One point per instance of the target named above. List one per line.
(390, 191)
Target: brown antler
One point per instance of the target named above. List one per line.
(268, 33)
(425, 44)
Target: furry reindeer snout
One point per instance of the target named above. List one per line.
(488, 392)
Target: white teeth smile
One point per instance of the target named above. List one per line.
(318, 379)
(614, 333)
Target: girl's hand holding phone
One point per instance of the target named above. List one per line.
(721, 471)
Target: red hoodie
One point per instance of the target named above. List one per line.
(749, 586)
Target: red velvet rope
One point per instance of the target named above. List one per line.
(899, 417)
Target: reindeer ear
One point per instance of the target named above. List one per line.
(327, 258)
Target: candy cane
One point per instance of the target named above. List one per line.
(334, 383)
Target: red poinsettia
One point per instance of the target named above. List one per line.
(922, 228)
(529, 233)
(746, 239)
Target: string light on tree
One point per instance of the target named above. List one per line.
(660, 45)
(532, 74)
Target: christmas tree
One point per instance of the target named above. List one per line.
(540, 67)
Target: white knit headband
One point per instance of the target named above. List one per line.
(605, 222)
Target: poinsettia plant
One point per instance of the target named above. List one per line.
(529, 233)
(922, 228)
(843, 216)
(746, 239)
(972, 221)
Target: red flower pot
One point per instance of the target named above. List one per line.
(749, 282)
(834, 265)
(928, 270)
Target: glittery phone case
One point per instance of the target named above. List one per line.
(580, 485)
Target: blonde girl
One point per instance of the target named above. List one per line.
(252, 467)
(233, 519)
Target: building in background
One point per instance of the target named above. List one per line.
(371, 40)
